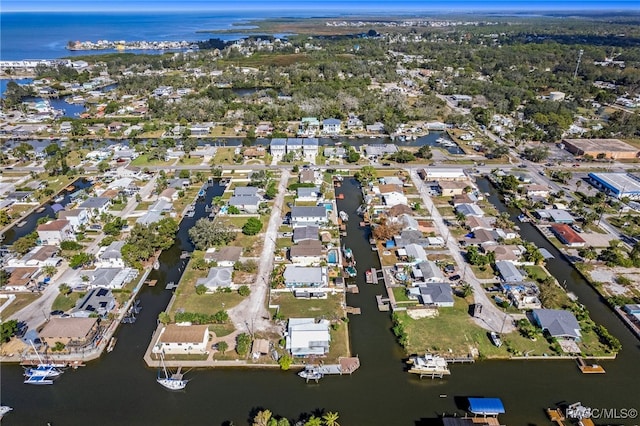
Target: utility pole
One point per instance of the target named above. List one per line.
(575, 74)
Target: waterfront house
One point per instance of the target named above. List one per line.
(335, 152)
(97, 302)
(70, 331)
(95, 206)
(410, 237)
(278, 148)
(254, 152)
(556, 215)
(305, 278)
(245, 191)
(510, 253)
(558, 323)
(475, 223)
(111, 256)
(509, 273)
(306, 337)
(432, 294)
(305, 233)
(483, 237)
(524, 296)
(37, 257)
(218, 277)
(306, 253)
(177, 339)
(407, 222)
(468, 210)
(428, 272)
(309, 126)
(354, 123)
(309, 194)
(246, 204)
(439, 174)
(380, 150)
(169, 194)
(536, 190)
(294, 145)
(201, 129)
(305, 216)
(112, 278)
(331, 126)
(178, 183)
(223, 256)
(464, 198)
(412, 253)
(567, 236)
(376, 127)
(310, 149)
(54, 232)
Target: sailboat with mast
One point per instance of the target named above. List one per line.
(172, 382)
(43, 373)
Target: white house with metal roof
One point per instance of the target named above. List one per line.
(432, 294)
(306, 337)
(308, 215)
(312, 278)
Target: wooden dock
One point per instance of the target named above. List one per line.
(372, 276)
(589, 368)
(151, 283)
(352, 288)
(353, 310)
(171, 285)
(383, 303)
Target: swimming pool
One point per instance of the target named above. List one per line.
(328, 206)
(332, 256)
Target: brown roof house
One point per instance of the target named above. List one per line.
(21, 278)
(54, 232)
(69, 331)
(224, 256)
(504, 252)
(307, 252)
(182, 339)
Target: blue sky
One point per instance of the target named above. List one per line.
(349, 6)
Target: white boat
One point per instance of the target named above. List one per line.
(44, 370)
(428, 365)
(4, 410)
(174, 382)
(344, 216)
(310, 373)
(348, 253)
(38, 380)
(495, 339)
(156, 265)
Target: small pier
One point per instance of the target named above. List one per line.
(346, 365)
(353, 289)
(467, 360)
(589, 368)
(383, 303)
(151, 283)
(171, 286)
(372, 276)
(353, 310)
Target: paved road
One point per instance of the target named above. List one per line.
(491, 317)
(251, 314)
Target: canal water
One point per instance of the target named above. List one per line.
(119, 389)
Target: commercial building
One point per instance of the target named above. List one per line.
(599, 148)
(618, 185)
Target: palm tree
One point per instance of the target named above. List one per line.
(262, 418)
(467, 290)
(314, 421)
(49, 270)
(331, 419)
(64, 289)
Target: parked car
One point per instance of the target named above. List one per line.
(455, 277)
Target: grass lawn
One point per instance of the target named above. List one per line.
(17, 210)
(446, 211)
(222, 330)
(21, 300)
(223, 156)
(290, 307)
(190, 161)
(339, 342)
(64, 303)
(453, 333)
(143, 160)
(479, 273)
(189, 301)
(535, 272)
(144, 205)
(118, 207)
(590, 344)
(400, 293)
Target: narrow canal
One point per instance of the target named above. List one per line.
(118, 389)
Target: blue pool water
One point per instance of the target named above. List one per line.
(328, 206)
(332, 256)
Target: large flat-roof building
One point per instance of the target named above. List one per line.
(617, 185)
(610, 148)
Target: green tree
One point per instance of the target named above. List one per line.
(164, 317)
(80, 259)
(201, 289)
(49, 270)
(65, 289)
(206, 233)
(8, 329)
(262, 418)
(5, 218)
(24, 244)
(313, 421)
(285, 362)
(331, 418)
(223, 346)
(425, 152)
(252, 227)
(244, 290)
(243, 344)
(366, 174)
(233, 210)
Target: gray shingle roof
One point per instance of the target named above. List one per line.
(557, 322)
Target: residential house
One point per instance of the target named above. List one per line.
(468, 210)
(308, 176)
(306, 233)
(223, 256)
(246, 191)
(112, 278)
(111, 256)
(479, 222)
(484, 237)
(413, 253)
(246, 204)
(335, 152)
(509, 253)
(95, 206)
(380, 150)
(309, 194)
(310, 149)
(432, 294)
(331, 126)
(37, 257)
(308, 252)
(177, 339)
(54, 232)
(558, 323)
(306, 337)
(278, 148)
(428, 272)
(264, 129)
(532, 190)
(254, 152)
(524, 296)
(442, 174)
(71, 332)
(294, 145)
(464, 198)
(21, 278)
(410, 236)
(218, 277)
(169, 194)
(305, 216)
(305, 278)
(178, 183)
(98, 301)
(509, 273)
(19, 196)
(201, 129)
(353, 122)
(400, 209)
(556, 215)
(567, 236)
(392, 194)
(450, 188)
(376, 127)
(309, 126)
